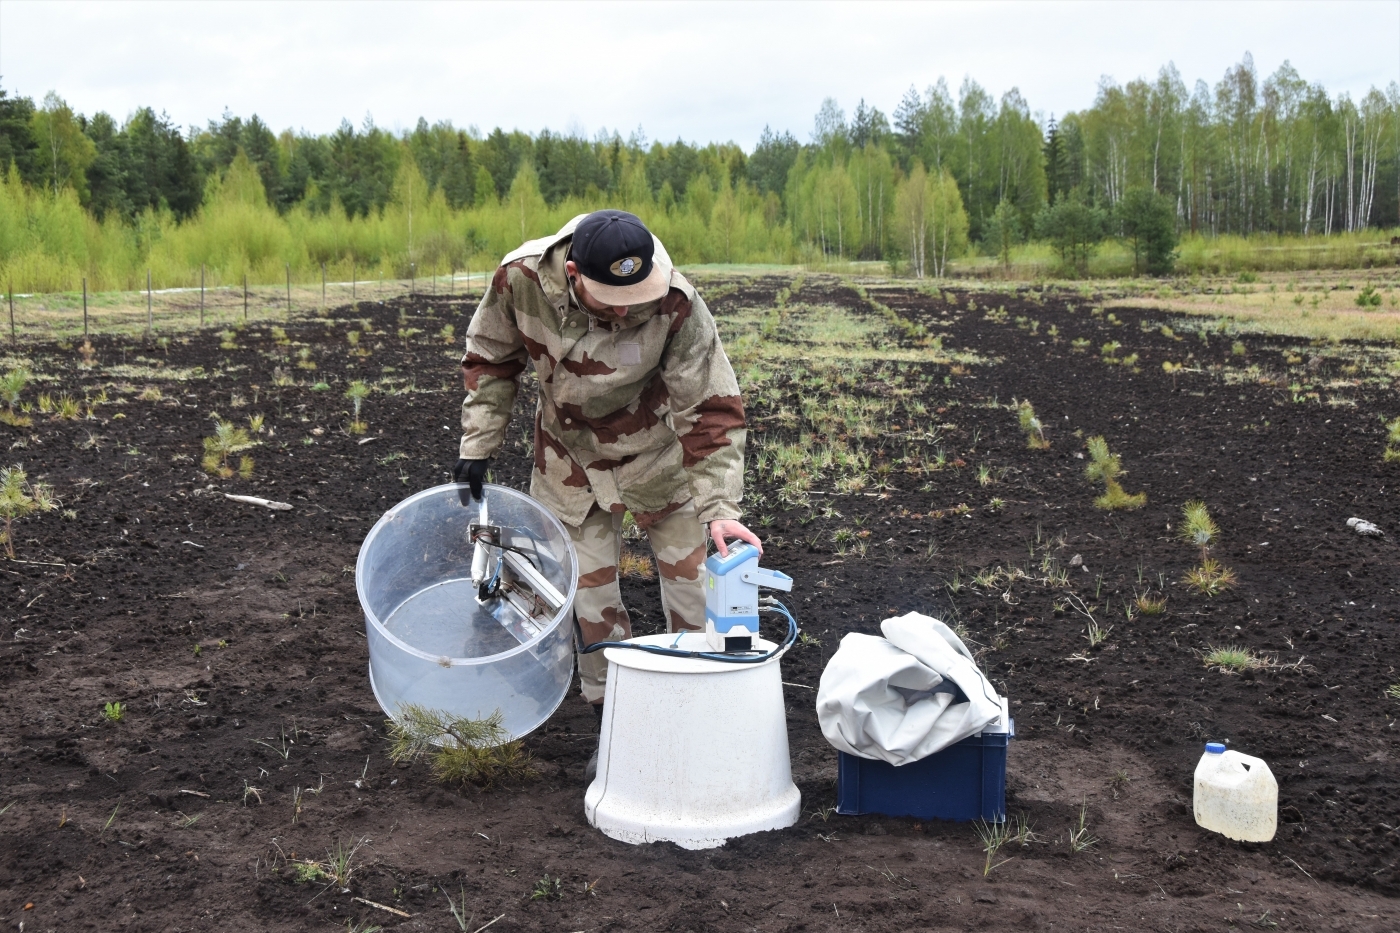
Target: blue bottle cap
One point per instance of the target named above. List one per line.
(1215, 748)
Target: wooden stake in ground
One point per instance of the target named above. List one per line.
(150, 317)
(289, 289)
(352, 280)
(245, 296)
(323, 286)
(201, 294)
(14, 338)
(85, 306)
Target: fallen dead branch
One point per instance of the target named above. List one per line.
(393, 910)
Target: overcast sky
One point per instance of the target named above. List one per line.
(702, 71)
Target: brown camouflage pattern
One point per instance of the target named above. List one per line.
(678, 541)
(645, 437)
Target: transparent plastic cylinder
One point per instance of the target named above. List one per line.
(431, 643)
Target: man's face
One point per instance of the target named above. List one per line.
(587, 300)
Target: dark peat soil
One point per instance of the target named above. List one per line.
(251, 740)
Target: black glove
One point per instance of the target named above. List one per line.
(471, 472)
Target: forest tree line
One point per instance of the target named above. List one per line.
(942, 174)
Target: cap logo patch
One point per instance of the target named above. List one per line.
(627, 266)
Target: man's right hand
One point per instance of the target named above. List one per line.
(471, 472)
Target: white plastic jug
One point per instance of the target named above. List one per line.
(1236, 795)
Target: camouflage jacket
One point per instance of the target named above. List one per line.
(639, 414)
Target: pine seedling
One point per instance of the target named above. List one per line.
(1210, 577)
(114, 712)
(11, 388)
(462, 751)
(1030, 424)
(357, 393)
(1107, 467)
(19, 499)
(228, 440)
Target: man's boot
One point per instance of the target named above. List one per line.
(590, 771)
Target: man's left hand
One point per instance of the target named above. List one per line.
(724, 528)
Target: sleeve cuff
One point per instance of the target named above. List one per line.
(720, 510)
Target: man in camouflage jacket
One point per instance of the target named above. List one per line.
(638, 411)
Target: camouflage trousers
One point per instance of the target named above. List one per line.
(677, 540)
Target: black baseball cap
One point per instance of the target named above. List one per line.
(618, 260)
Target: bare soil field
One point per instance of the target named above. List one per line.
(251, 753)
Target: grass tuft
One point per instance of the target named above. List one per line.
(636, 566)
(1079, 838)
(1150, 605)
(1234, 659)
(992, 836)
(1211, 578)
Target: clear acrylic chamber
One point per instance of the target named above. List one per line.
(431, 643)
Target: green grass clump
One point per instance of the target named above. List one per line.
(1106, 467)
(1233, 659)
(1392, 441)
(462, 751)
(1210, 578)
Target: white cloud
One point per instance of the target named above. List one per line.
(702, 71)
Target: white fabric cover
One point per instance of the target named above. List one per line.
(892, 698)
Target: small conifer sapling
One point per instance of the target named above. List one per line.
(1030, 424)
(1210, 577)
(19, 499)
(1106, 467)
(11, 388)
(462, 751)
(228, 440)
(357, 393)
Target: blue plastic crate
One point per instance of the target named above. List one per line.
(965, 781)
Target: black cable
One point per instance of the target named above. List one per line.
(533, 559)
(712, 655)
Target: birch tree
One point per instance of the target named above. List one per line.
(930, 222)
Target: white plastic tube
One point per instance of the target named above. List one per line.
(480, 553)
